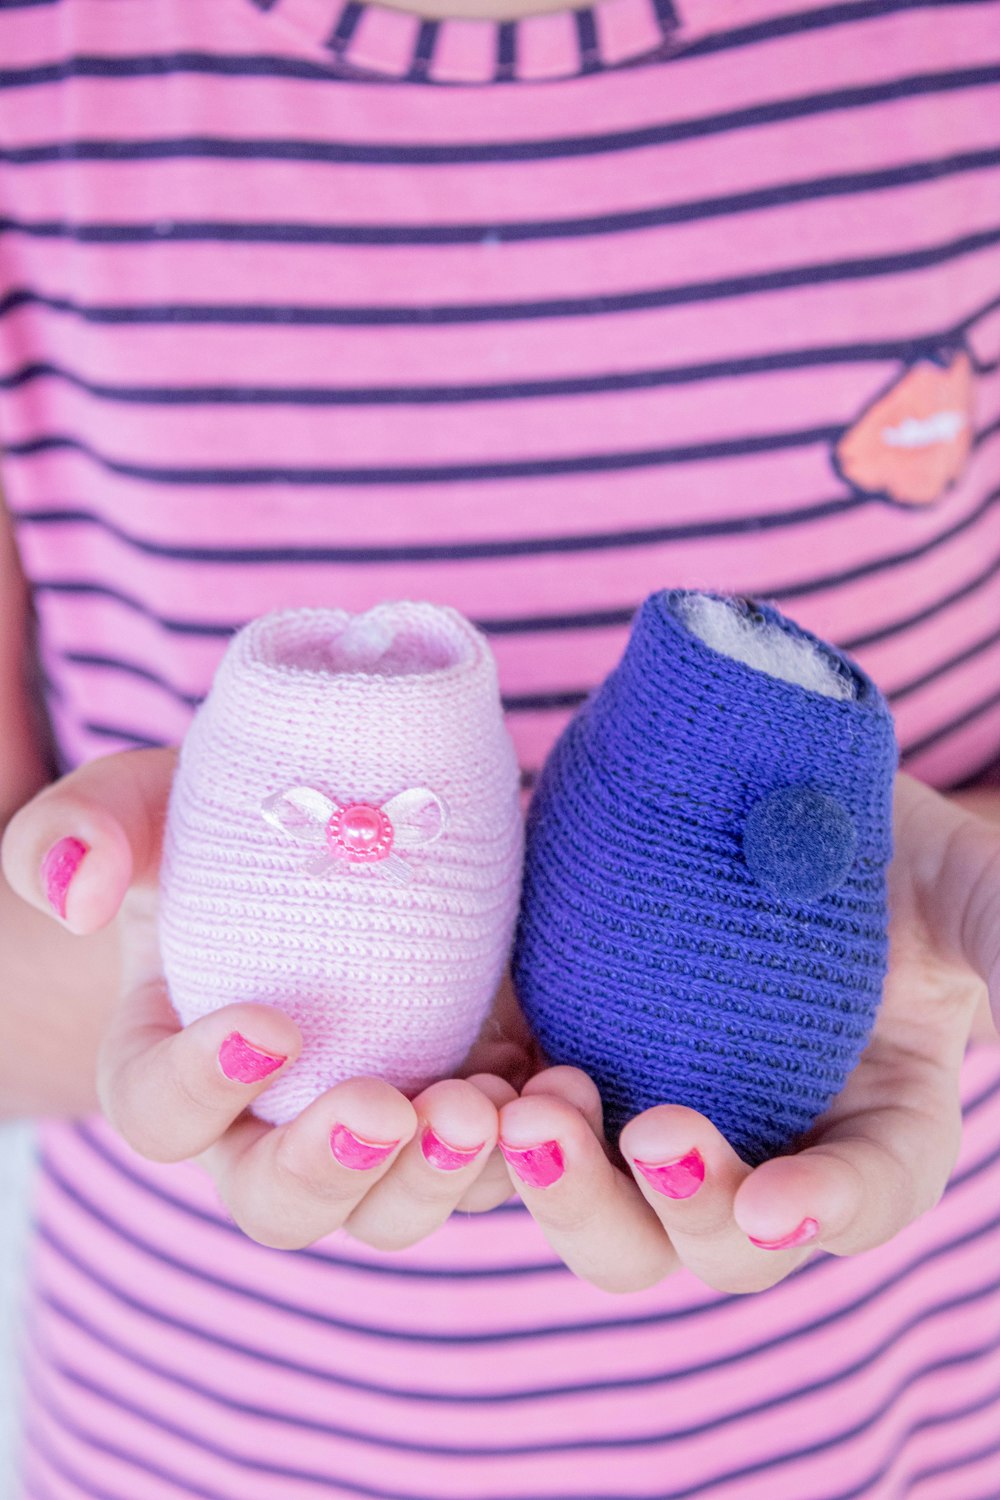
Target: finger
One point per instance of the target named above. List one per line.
(880, 1157)
(576, 1088)
(944, 890)
(290, 1185)
(76, 848)
(170, 1092)
(590, 1213)
(493, 1185)
(456, 1132)
(690, 1177)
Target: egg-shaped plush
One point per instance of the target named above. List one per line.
(704, 910)
(344, 842)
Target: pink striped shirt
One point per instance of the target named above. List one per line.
(311, 302)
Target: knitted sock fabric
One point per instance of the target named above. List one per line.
(344, 842)
(704, 910)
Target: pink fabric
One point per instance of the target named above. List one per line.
(558, 343)
(388, 970)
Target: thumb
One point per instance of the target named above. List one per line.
(77, 848)
(948, 865)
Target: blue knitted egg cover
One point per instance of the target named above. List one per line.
(704, 913)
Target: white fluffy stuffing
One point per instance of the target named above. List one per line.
(763, 646)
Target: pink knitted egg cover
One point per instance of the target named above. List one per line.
(344, 841)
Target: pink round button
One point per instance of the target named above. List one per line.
(359, 833)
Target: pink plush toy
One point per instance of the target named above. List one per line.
(344, 842)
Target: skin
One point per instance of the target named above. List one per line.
(880, 1157)
(87, 1022)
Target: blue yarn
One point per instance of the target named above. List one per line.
(798, 842)
(704, 913)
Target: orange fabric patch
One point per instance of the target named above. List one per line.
(914, 441)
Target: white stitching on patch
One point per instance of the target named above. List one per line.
(921, 432)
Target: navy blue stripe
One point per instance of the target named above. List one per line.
(525, 468)
(905, 351)
(772, 1461)
(386, 1266)
(382, 1267)
(506, 58)
(423, 53)
(529, 468)
(935, 736)
(817, 1268)
(952, 1466)
(404, 1336)
(776, 27)
(346, 25)
(407, 552)
(511, 625)
(904, 623)
(133, 669)
(913, 1378)
(583, 620)
(130, 738)
(83, 588)
(513, 703)
(250, 148)
(878, 565)
(556, 700)
(590, 51)
(666, 16)
(270, 65)
(779, 195)
(942, 668)
(423, 315)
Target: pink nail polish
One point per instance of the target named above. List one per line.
(58, 868)
(446, 1158)
(680, 1178)
(807, 1230)
(358, 1154)
(245, 1063)
(537, 1166)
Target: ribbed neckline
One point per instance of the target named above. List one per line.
(368, 39)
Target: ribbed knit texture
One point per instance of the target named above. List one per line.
(648, 954)
(384, 978)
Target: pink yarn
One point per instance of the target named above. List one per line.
(344, 842)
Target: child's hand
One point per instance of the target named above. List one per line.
(879, 1157)
(164, 1089)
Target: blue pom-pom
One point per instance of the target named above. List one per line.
(799, 843)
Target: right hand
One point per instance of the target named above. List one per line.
(163, 1088)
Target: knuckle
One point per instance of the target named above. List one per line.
(388, 1240)
(148, 1138)
(298, 1171)
(192, 1092)
(618, 1285)
(272, 1232)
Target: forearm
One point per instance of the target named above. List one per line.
(56, 991)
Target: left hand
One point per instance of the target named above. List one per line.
(878, 1158)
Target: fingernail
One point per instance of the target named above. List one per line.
(446, 1158)
(680, 1178)
(354, 1152)
(58, 868)
(245, 1063)
(537, 1166)
(807, 1230)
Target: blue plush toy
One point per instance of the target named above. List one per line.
(704, 917)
